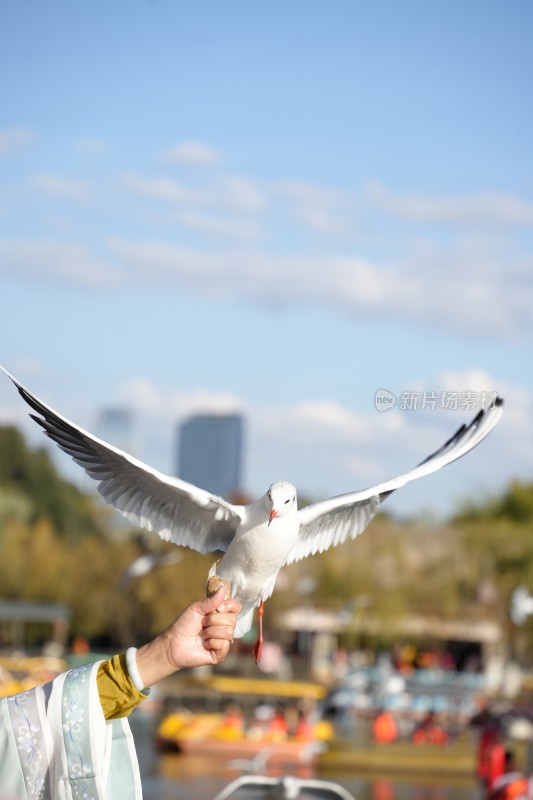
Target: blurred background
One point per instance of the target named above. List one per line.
(298, 236)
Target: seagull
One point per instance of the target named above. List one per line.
(257, 539)
(146, 563)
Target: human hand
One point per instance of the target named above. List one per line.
(201, 635)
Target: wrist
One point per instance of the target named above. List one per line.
(133, 670)
(154, 661)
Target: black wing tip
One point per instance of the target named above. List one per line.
(496, 402)
(30, 400)
(23, 392)
(11, 378)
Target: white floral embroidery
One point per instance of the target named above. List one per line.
(30, 742)
(77, 738)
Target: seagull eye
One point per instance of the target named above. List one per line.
(287, 501)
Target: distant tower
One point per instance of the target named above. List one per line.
(210, 452)
(116, 426)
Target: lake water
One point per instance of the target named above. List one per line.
(169, 776)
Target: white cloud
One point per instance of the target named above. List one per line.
(170, 265)
(320, 220)
(305, 192)
(91, 146)
(65, 262)
(191, 154)
(472, 285)
(321, 209)
(171, 405)
(467, 294)
(335, 212)
(343, 282)
(164, 189)
(240, 193)
(221, 226)
(60, 186)
(481, 209)
(476, 380)
(464, 288)
(12, 139)
(226, 192)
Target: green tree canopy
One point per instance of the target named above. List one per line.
(31, 474)
(515, 504)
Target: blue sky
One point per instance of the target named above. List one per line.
(280, 209)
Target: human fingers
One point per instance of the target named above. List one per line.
(220, 626)
(217, 648)
(231, 605)
(217, 640)
(219, 602)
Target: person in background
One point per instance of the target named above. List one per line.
(491, 752)
(384, 728)
(233, 723)
(73, 732)
(430, 731)
(511, 784)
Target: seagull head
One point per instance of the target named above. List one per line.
(280, 500)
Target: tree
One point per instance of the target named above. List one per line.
(28, 473)
(515, 504)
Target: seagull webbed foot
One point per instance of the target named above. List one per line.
(258, 648)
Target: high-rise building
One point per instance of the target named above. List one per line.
(210, 452)
(116, 426)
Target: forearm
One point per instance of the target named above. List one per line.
(154, 661)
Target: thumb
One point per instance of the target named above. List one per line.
(210, 604)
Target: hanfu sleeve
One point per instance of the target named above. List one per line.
(118, 695)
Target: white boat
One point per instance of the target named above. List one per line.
(264, 787)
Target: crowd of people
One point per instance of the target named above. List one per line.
(428, 730)
(497, 769)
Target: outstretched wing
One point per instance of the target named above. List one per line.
(178, 511)
(330, 522)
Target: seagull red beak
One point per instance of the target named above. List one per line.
(273, 514)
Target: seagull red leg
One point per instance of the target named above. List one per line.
(259, 644)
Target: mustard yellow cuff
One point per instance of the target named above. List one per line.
(118, 695)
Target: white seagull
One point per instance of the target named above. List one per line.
(258, 539)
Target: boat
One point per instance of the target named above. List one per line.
(457, 759)
(288, 787)
(246, 746)
(19, 673)
(247, 723)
